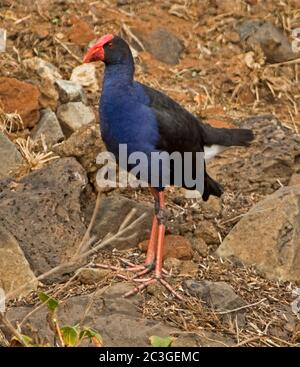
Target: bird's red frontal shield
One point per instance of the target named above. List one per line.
(96, 52)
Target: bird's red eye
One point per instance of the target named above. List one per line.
(110, 45)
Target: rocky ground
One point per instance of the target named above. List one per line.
(235, 261)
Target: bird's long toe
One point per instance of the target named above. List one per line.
(139, 288)
(149, 281)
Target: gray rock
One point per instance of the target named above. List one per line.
(118, 320)
(44, 69)
(84, 144)
(15, 271)
(162, 44)
(47, 74)
(263, 167)
(70, 91)
(85, 75)
(74, 115)
(273, 42)
(219, 295)
(10, 156)
(200, 246)
(49, 127)
(43, 213)
(268, 236)
(113, 211)
(207, 232)
(91, 276)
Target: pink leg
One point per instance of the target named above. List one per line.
(161, 238)
(160, 227)
(150, 257)
(154, 254)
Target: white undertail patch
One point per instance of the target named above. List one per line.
(211, 151)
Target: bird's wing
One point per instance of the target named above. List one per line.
(178, 129)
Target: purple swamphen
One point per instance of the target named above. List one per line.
(148, 121)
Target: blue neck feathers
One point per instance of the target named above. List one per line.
(121, 73)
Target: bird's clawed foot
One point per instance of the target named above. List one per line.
(129, 267)
(146, 282)
(138, 271)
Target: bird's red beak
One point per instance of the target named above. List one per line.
(96, 52)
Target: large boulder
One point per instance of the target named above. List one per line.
(43, 212)
(268, 236)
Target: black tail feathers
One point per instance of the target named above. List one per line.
(227, 137)
(211, 187)
(241, 137)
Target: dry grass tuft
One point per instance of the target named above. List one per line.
(33, 160)
(10, 122)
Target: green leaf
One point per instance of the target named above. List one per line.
(157, 341)
(93, 335)
(70, 335)
(25, 339)
(52, 303)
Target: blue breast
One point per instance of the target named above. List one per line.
(126, 118)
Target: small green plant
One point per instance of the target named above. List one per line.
(25, 340)
(157, 341)
(68, 336)
(73, 336)
(51, 302)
